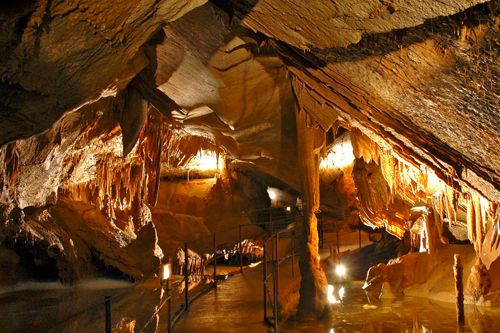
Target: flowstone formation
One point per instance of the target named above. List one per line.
(106, 106)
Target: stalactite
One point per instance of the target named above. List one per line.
(11, 161)
(437, 211)
(451, 203)
(482, 218)
(389, 167)
(471, 227)
(478, 223)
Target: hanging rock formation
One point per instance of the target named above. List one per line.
(100, 100)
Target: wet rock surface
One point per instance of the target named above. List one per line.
(103, 107)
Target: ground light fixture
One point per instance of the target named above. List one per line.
(165, 274)
(272, 193)
(341, 271)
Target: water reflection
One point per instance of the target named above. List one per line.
(51, 307)
(62, 309)
(359, 313)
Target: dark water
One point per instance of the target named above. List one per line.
(54, 308)
(409, 314)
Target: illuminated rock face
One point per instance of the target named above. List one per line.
(313, 285)
(56, 56)
(101, 101)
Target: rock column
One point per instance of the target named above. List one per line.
(313, 280)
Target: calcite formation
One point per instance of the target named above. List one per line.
(103, 106)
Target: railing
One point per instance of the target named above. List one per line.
(273, 228)
(93, 307)
(274, 220)
(279, 228)
(275, 262)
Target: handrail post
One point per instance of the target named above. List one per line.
(276, 324)
(215, 263)
(241, 250)
(277, 262)
(169, 310)
(186, 276)
(275, 296)
(264, 278)
(359, 233)
(107, 314)
(293, 254)
(337, 231)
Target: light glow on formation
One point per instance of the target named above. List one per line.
(340, 270)
(205, 160)
(340, 156)
(272, 193)
(434, 184)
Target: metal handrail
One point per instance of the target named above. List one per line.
(276, 221)
(275, 261)
(94, 306)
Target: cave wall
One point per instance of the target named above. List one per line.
(58, 56)
(191, 211)
(92, 93)
(50, 205)
(409, 200)
(85, 208)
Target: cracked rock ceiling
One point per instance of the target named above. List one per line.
(418, 77)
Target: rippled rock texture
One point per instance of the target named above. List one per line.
(100, 100)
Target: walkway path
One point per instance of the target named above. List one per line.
(235, 306)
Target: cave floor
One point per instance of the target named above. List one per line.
(236, 306)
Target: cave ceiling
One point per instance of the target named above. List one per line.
(420, 78)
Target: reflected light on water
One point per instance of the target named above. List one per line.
(406, 314)
(329, 294)
(341, 293)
